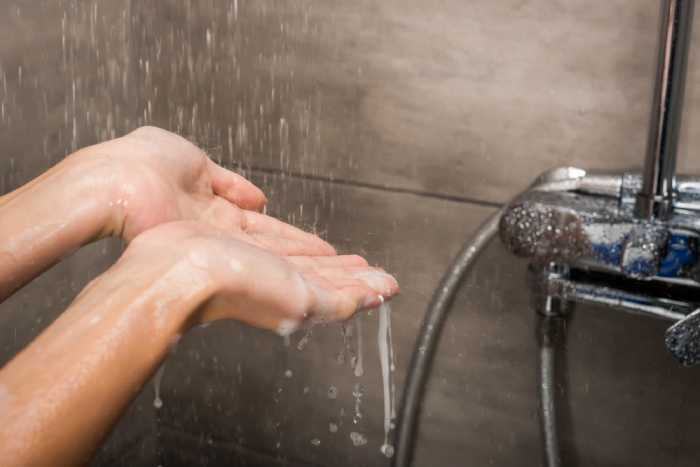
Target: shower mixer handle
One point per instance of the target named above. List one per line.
(590, 247)
(683, 339)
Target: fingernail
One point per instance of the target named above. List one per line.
(372, 301)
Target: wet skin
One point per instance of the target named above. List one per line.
(198, 250)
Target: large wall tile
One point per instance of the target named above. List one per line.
(470, 99)
(231, 383)
(65, 81)
(624, 400)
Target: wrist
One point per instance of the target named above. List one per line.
(167, 287)
(96, 176)
(50, 217)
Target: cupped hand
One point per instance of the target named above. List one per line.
(274, 291)
(155, 177)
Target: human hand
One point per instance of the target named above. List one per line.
(109, 341)
(153, 176)
(241, 281)
(125, 187)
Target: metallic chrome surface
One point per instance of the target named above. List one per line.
(594, 231)
(543, 300)
(687, 193)
(548, 347)
(683, 339)
(559, 174)
(641, 304)
(552, 312)
(602, 233)
(601, 184)
(656, 197)
(643, 251)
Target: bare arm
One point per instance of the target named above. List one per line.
(48, 218)
(120, 187)
(60, 396)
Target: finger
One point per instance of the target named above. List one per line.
(375, 278)
(222, 215)
(260, 223)
(343, 272)
(383, 283)
(335, 300)
(235, 189)
(292, 247)
(314, 262)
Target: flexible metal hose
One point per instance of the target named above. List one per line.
(548, 378)
(434, 320)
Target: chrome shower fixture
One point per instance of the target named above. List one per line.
(628, 241)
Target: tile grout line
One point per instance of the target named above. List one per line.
(372, 186)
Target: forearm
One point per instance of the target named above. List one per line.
(61, 395)
(51, 216)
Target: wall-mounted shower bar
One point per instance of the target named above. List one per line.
(657, 194)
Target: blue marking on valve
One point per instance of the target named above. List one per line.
(608, 253)
(679, 256)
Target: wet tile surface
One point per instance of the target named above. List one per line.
(626, 401)
(471, 99)
(261, 392)
(207, 451)
(65, 81)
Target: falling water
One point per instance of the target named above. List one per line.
(158, 402)
(304, 340)
(359, 365)
(386, 360)
(120, 67)
(332, 392)
(358, 439)
(357, 393)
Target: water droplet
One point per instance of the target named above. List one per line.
(387, 450)
(332, 392)
(358, 439)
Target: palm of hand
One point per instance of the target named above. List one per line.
(164, 179)
(275, 291)
(161, 177)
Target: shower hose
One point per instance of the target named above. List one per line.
(429, 335)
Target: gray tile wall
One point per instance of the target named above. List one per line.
(392, 128)
(395, 92)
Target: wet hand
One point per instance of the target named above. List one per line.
(277, 291)
(153, 176)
